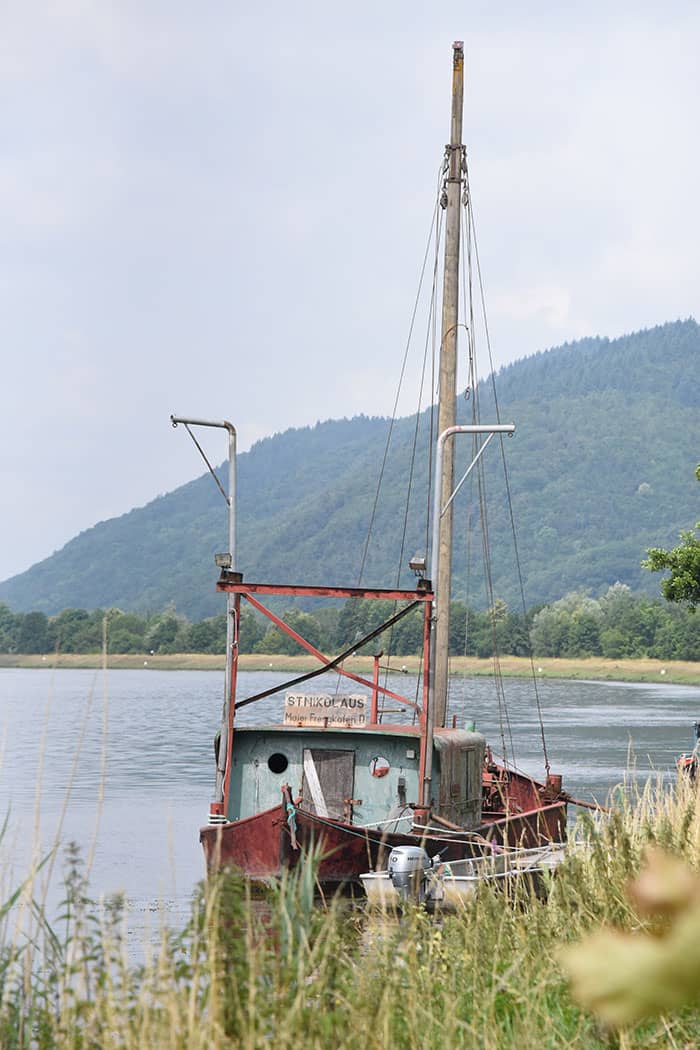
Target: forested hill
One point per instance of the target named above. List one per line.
(601, 467)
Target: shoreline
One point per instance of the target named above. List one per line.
(676, 672)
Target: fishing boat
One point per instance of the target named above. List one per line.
(333, 771)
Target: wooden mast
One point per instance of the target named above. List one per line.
(448, 380)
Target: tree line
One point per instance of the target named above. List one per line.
(617, 625)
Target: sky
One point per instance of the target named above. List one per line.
(220, 210)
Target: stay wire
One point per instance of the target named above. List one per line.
(504, 718)
(470, 390)
(503, 715)
(431, 341)
(414, 447)
(409, 487)
(433, 373)
(432, 230)
(204, 457)
(398, 394)
(516, 549)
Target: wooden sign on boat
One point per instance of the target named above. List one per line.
(325, 709)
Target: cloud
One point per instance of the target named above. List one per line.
(222, 211)
(548, 304)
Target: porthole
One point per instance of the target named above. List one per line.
(277, 763)
(379, 767)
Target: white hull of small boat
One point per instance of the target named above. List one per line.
(453, 885)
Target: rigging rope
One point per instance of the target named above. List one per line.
(409, 488)
(398, 394)
(434, 232)
(470, 256)
(467, 290)
(516, 549)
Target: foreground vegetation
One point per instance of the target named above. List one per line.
(292, 972)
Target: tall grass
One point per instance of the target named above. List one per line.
(291, 972)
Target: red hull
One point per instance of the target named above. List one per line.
(261, 846)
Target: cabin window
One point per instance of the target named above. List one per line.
(277, 763)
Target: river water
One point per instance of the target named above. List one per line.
(122, 762)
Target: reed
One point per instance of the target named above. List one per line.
(290, 972)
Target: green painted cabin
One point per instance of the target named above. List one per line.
(367, 776)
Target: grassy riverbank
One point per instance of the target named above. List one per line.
(593, 668)
(294, 973)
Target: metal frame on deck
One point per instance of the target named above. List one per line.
(232, 584)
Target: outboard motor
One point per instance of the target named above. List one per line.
(408, 866)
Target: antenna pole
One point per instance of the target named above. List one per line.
(224, 742)
(448, 383)
(439, 511)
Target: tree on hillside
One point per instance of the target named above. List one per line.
(125, 632)
(568, 627)
(33, 636)
(9, 629)
(683, 561)
(69, 631)
(208, 636)
(275, 641)
(166, 632)
(251, 631)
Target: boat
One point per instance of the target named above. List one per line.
(687, 764)
(331, 771)
(412, 876)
